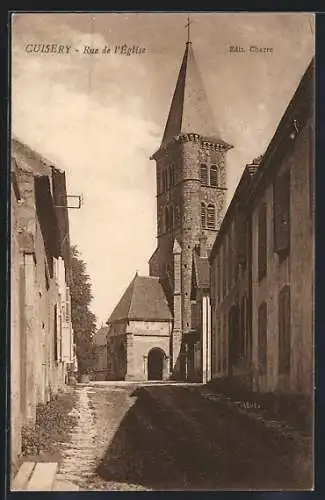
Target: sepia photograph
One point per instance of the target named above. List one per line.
(162, 267)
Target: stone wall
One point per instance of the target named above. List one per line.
(142, 336)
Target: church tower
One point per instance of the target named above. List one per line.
(191, 192)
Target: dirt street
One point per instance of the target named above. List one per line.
(172, 437)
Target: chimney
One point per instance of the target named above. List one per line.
(203, 246)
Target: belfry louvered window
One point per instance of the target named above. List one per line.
(213, 176)
(211, 217)
(203, 216)
(204, 175)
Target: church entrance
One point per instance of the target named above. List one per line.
(156, 358)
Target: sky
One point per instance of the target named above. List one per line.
(100, 116)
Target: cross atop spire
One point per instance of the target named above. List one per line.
(188, 26)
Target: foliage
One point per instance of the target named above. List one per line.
(53, 424)
(83, 320)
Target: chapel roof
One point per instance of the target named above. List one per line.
(143, 300)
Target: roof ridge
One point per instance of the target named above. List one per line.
(132, 285)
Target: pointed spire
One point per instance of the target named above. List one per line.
(190, 111)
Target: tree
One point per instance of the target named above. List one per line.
(83, 320)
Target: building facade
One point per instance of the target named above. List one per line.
(139, 333)
(282, 213)
(263, 313)
(230, 288)
(41, 331)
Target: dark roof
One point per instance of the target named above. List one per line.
(143, 300)
(100, 336)
(190, 112)
(201, 270)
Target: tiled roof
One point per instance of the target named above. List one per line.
(144, 300)
(190, 111)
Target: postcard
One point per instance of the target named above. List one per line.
(162, 251)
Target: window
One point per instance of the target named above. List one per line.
(203, 216)
(219, 349)
(262, 338)
(224, 268)
(224, 344)
(284, 331)
(248, 329)
(211, 217)
(234, 335)
(177, 216)
(281, 213)
(218, 278)
(214, 176)
(242, 336)
(241, 231)
(204, 175)
(262, 242)
(68, 306)
(230, 258)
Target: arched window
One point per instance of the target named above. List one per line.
(177, 216)
(211, 217)
(204, 174)
(203, 215)
(214, 176)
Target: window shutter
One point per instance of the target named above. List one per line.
(214, 176)
(211, 217)
(282, 213)
(262, 242)
(203, 216)
(67, 306)
(262, 338)
(241, 230)
(284, 331)
(204, 175)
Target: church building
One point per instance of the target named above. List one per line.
(191, 195)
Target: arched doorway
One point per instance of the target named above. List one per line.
(156, 359)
